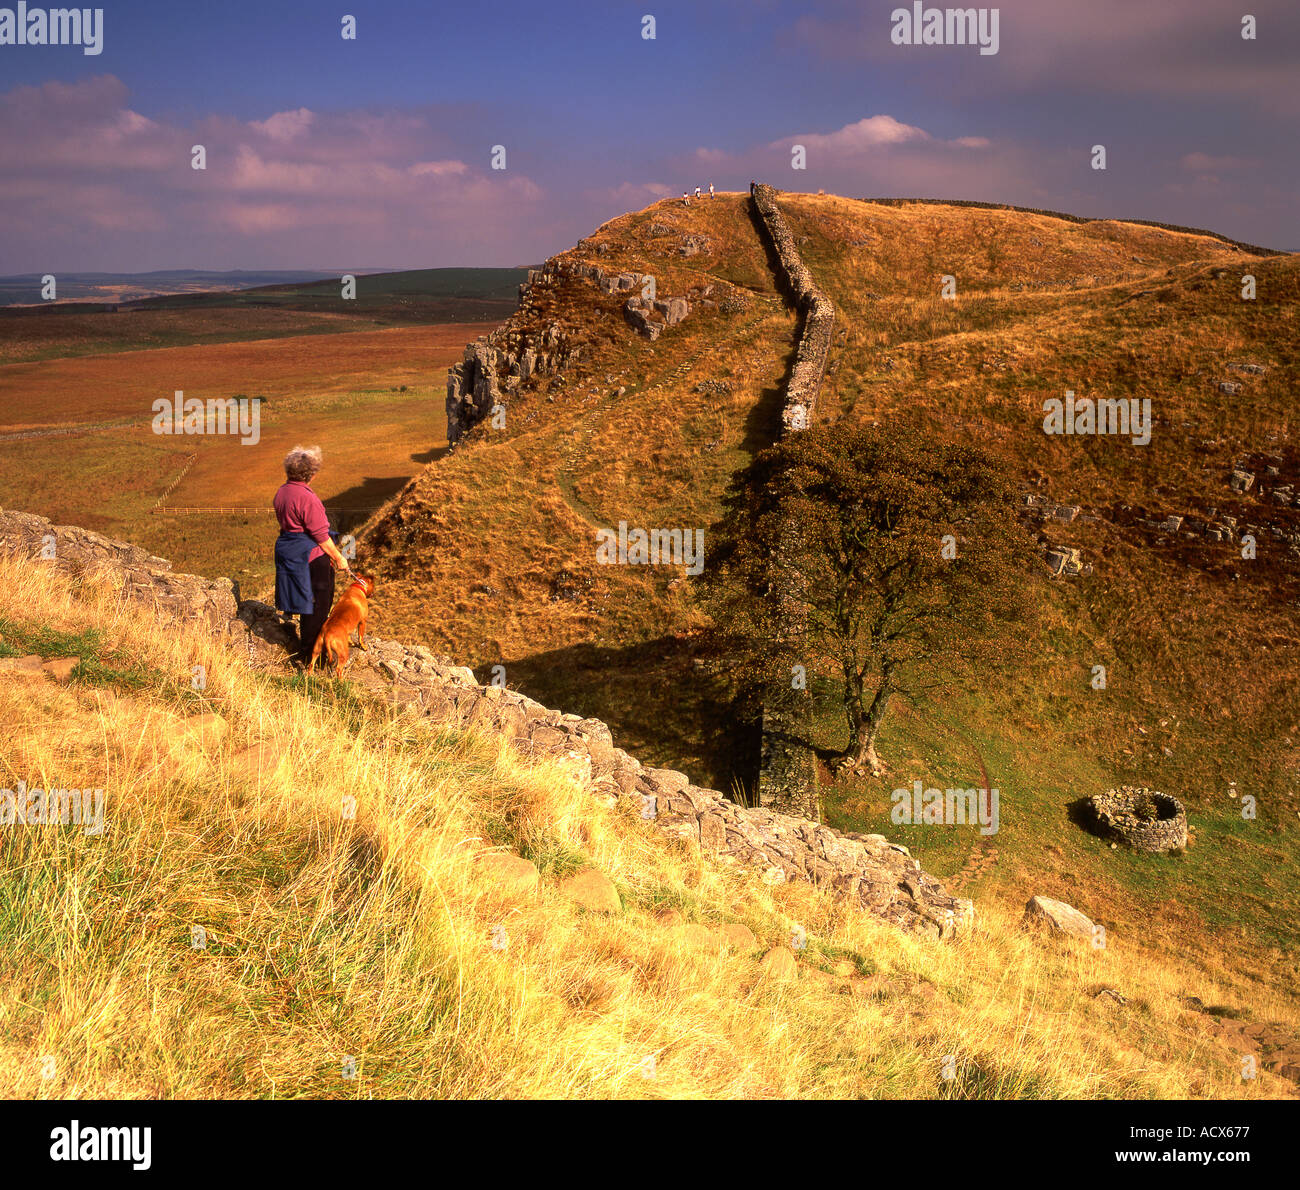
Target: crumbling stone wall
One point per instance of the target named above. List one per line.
(868, 871)
(787, 774)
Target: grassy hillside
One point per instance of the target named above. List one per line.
(490, 554)
(378, 935)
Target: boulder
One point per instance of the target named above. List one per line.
(779, 965)
(738, 935)
(593, 890)
(206, 731)
(60, 668)
(1057, 917)
(23, 667)
(257, 761)
(508, 873)
(695, 934)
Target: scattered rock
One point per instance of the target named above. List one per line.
(593, 890)
(1058, 917)
(738, 935)
(509, 873)
(207, 731)
(23, 667)
(257, 761)
(695, 934)
(60, 668)
(779, 965)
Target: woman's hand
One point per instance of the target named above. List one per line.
(337, 560)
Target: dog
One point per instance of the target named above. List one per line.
(349, 612)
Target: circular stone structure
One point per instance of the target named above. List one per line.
(1141, 818)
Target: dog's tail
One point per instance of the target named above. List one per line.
(316, 649)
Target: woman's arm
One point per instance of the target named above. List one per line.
(317, 523)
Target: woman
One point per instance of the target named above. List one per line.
(305, 554)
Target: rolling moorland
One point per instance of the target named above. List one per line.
(487, 555)
(357, 377)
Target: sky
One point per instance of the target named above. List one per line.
(378, 151)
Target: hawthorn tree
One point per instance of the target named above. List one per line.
(891, 560)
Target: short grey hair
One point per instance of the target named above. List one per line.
(302, 462)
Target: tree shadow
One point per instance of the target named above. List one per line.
(353, 507)
(660, 706)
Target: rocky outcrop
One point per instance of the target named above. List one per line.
(870, 872)
(495, 365)
(533, 344)
(139, 576)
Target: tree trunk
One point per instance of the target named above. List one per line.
(865, 723)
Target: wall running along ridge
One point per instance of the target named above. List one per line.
(868, 871)
(814, 342)
(787, 773)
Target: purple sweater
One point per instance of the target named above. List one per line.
(299, 510)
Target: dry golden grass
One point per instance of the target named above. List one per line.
(370, 937)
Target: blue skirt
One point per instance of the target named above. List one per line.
(292, 576)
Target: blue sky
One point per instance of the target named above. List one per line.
(326, 153)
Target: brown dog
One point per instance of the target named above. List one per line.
(349, 612)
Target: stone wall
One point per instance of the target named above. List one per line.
(814, 342)
(879, 877)
(787, 774)
(1140, 818)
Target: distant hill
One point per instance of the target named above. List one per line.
(25, 288)
(410, 295)
(440, 295)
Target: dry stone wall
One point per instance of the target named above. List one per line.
(1140, 818)
(873, 874)
(814, 343)
(787, 774)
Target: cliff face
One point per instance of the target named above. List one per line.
(879, 877)
(533, 343)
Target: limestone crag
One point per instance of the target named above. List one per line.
(532, 343)
(647, 315)
(495, 365)
(879, 877)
